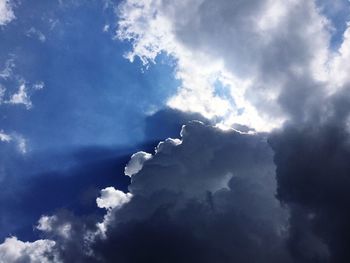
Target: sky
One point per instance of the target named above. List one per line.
(174, 131)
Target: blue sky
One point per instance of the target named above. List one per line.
(94, 101)
(92, 94)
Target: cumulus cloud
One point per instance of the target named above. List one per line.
(312, 175)
(16, 251)
(257, 51)
(136, 162)
(112, 198)
(279, 64)
(219, 195)
(6, 12)
(209, 194)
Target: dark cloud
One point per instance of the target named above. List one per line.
(312, 160)
(209, 197)
(167, 123)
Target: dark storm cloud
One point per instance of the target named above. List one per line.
(312, 159)
(209, 197)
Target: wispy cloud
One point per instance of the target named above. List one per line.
(21, 97)
(33, 32)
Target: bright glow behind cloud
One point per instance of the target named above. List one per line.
(245, 47)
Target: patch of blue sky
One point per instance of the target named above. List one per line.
(92, 94)
(338, 12)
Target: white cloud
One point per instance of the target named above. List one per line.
(6, 12)
(25, 89)
(5, 137)
(38, 85)
(17, 139)
(8, 69)
(16, 251)
(136, 162)
(106, 28)
(45, 223)
(112, 198)
(257, 50)
(21, 143)
(21, 97)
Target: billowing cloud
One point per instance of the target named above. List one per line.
(210, 194)
(112, 198)
(238, 60)
(6, 12)
(136, 162)
(313, 180)
(221, 195)
(16, 251)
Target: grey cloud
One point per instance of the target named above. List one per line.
(209, 198)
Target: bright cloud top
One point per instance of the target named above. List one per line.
(238, 60)
(6, 12)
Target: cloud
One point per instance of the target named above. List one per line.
(33, 32)
(21, 97)
(203, 197)
(313, 181)
(16, 251)
(280, 65)
(6, 12)
(10, 77)
(219, 195)
(16, 138)
(209, 195)
(136, 162)
(5, 137)
(112, 198)
(8, 69)
(256, 51)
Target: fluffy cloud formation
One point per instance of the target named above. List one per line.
(215, 195)
(112, 198)
(209, 195)
(16, 251)
(6, 12)
(136, 162)
(238, 60)
(313, 180)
